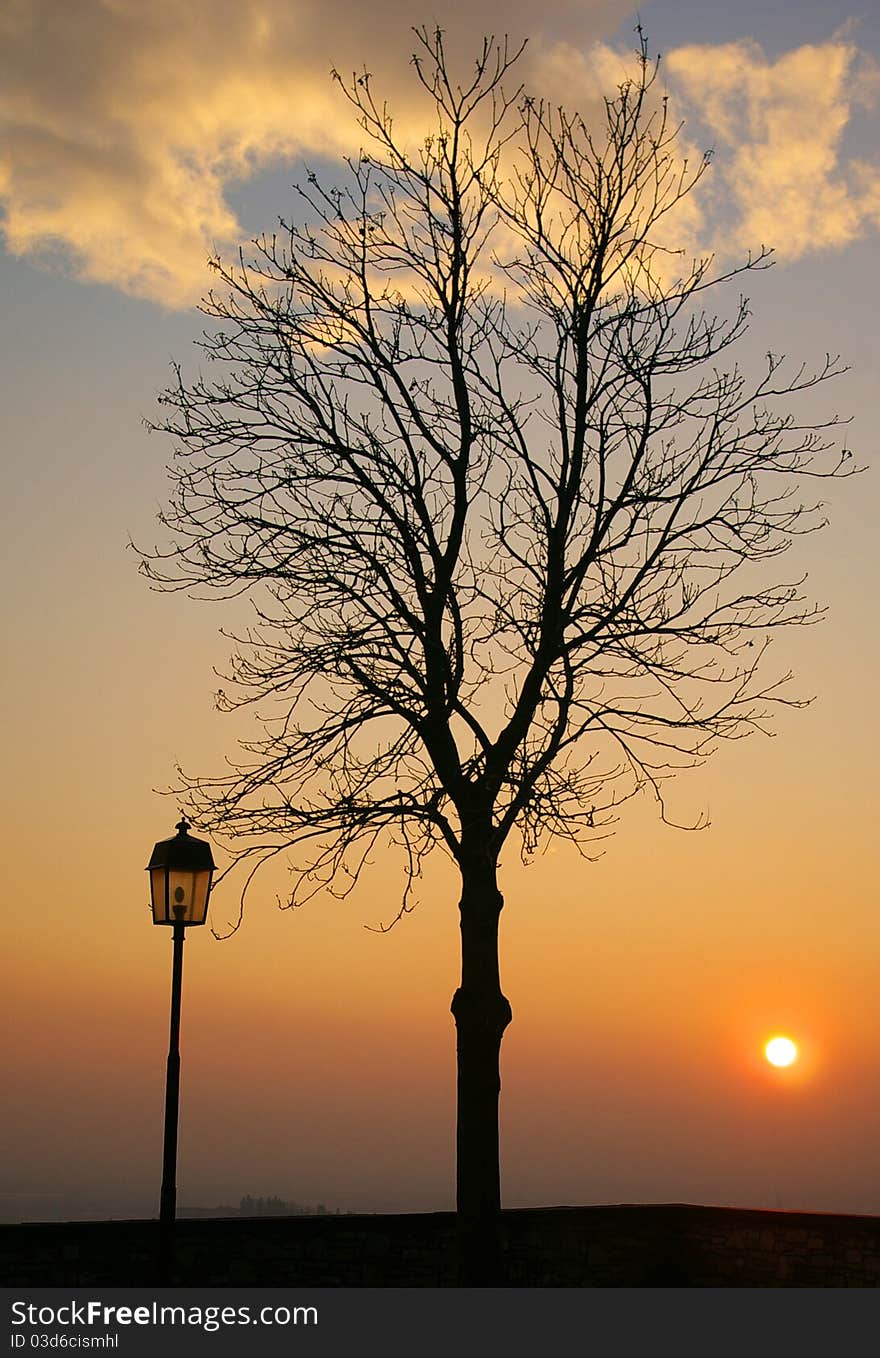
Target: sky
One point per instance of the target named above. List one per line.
(136, 138)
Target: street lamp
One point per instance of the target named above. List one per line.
(180, 883)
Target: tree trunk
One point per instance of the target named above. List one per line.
(481, 1015)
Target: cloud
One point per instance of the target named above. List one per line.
(125, 123)
(778, 129)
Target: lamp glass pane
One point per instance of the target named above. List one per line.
(201, 888)
(187, 895)
(180, 895)
(157, 894)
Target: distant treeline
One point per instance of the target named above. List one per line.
(258, 1207)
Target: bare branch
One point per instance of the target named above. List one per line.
(502, 495)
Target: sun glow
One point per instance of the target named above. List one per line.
(781, 1051)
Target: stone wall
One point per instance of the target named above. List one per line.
(684, 1246)
(647, 1246)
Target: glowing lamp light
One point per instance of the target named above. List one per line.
(180, 878)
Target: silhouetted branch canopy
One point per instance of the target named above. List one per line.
(505, 501)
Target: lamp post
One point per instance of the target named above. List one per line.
(180, 883)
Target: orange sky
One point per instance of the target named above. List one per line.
(317, 1056)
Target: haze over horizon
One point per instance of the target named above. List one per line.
(318, 1058)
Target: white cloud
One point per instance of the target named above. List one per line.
(778, 128)
(123, 123)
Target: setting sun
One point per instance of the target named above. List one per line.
(781, 1051)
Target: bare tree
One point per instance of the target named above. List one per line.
(504, 504)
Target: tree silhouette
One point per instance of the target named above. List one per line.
(504, 505)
